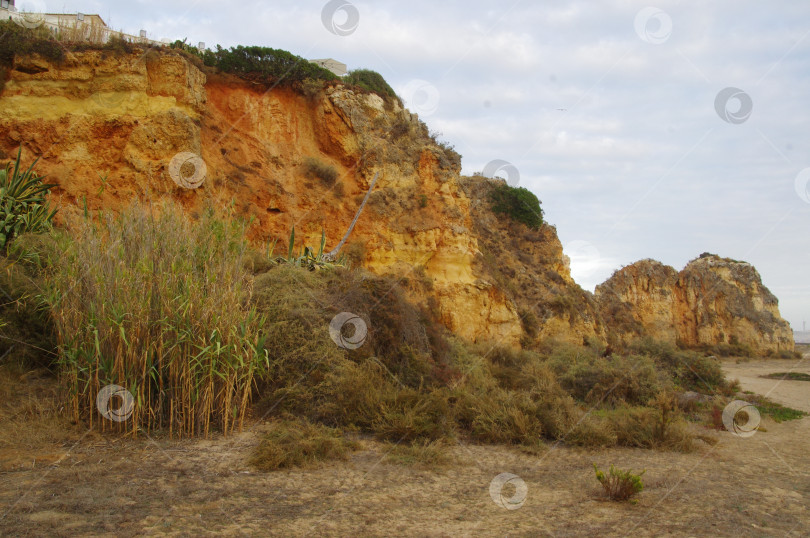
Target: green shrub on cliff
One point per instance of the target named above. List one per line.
(370, 81)
(15, 39)
(272, 65)
(518, 203)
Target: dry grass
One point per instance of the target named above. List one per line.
(32, 418)
(299, 443)
(424, 453)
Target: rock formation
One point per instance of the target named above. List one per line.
(712, 301)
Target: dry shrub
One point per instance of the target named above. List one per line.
(397, 336)
(410, 415)
(299, 443)
(313, 168)
(513, 398)
(643, 427)
(689, 370)
(613, 380)
(592, 431)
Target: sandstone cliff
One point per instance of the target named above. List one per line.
(712, 301)
(106, 128)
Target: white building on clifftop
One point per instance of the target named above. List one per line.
(332, 65)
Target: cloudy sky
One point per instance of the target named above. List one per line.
(614, 113)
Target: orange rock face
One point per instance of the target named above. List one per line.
(711, 301)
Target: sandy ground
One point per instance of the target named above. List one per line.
(793, 394)
(96, 485)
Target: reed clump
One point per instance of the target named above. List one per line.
(161, 307)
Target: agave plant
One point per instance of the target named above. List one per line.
(308, 258)
(23, 204)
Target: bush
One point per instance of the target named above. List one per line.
(733, 349)
(613, 380)
(370, 81)
(26, 331)
(645, 427)
(619, 485)
(17, 40)
(311, 88)
(23, 204)
(517, 203)
(159, 306)
(689, 370)
(265, 64)
(119, 46)
(412, 415)
(298, 443)
(313, 168)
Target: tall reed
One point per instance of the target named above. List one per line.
(159, 305)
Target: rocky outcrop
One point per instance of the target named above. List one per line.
(529, 267)
(712, 301)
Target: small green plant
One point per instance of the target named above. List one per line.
(104, 179)
(23, 206)
(518, 203)
(777, 412)
(308, 258)
(313, 168)
(423, 200)
(619, 485)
